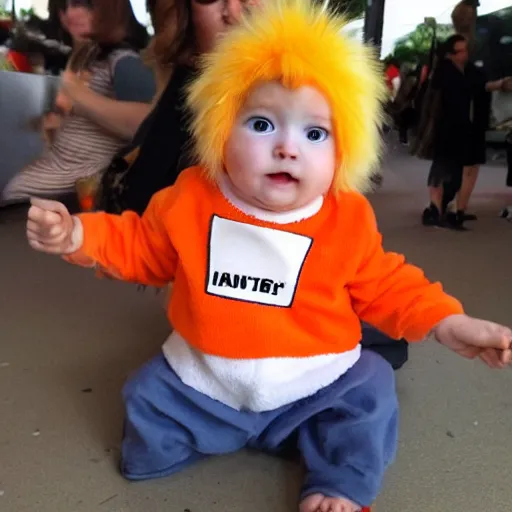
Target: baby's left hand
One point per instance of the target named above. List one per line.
(471, 337)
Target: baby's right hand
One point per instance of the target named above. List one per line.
(52, 229)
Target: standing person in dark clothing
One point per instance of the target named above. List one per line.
(452, 98)
(404, 112)
(459, 143)
(475, 148)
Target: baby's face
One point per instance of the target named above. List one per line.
(281, 154)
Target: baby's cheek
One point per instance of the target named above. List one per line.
(254, 154)
(324, 175)
(236, 149)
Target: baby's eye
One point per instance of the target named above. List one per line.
(317, 134)
(260, 125)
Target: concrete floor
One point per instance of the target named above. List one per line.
(68, 341)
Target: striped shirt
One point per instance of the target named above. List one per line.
(81, 148)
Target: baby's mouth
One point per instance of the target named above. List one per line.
(282, 178)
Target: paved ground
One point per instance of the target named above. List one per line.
(68, 342)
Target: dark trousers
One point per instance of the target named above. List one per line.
(405, 121)
(395, 352)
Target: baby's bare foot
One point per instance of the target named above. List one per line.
(321, 503)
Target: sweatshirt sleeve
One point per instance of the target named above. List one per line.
(130, 247)
(390, 294)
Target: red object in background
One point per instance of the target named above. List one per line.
(366, 509)
(391, 72)
(424, 74)
(19, 61)
(6, 24)
(87, 203)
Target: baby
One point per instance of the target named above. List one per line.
(275, 258)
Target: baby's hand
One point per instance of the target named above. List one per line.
(471, 337)
(51, 228)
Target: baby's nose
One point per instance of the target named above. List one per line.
(286, 151)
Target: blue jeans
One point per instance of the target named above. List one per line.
(346, 433)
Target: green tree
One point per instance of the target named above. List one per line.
(416, 44)
(353, 8)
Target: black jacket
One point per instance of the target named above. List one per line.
(165, 149)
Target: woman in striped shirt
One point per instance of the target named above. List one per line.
(101, 106)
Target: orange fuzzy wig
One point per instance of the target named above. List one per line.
(296, 43)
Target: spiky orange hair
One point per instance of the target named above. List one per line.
(297, 43)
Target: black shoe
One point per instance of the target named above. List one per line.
(468, 217)
(431, 216)
(455, 221)
(506, 213)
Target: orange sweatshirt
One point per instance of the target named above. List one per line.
(254, 286)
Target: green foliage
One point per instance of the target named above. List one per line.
(26, 14)
(416, 45)
(353, 9)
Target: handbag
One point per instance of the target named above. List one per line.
(423, 146)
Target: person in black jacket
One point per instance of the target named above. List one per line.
(463, 104)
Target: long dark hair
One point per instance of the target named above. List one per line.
(173, 42)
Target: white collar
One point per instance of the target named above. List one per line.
(305, 212)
